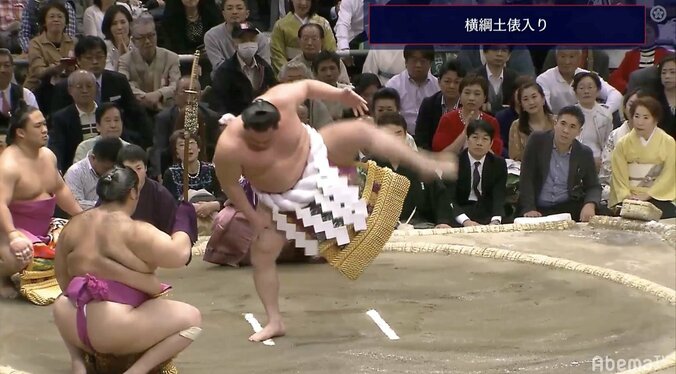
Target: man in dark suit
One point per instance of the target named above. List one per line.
(500, 78)
(442, 102)
(421, 205)
(479, 194)
(520, 60)
(76, 122)
(243, 77)
(112, 86)
(558, 174)
(173, 118)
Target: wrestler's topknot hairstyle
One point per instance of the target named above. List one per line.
(115, 185)
(261, 116)
(19, 120)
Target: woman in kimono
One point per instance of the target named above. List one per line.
(643, 161)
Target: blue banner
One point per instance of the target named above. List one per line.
(515, 25)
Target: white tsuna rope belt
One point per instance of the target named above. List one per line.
(322, 199)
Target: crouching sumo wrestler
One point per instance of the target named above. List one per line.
(110, 315)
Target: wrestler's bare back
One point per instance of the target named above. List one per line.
(33, 178)
(277, 168)
(96, 235)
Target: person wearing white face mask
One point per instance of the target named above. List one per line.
(244, 76)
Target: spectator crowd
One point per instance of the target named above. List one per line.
(537, 131)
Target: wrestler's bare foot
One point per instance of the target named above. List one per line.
(271, 330)
(7, 289)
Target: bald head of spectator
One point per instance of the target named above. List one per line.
(82, 88)
(183, 84)
(567, 61)
(294, 71)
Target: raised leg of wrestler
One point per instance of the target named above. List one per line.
(9, 265)
(113, 329)
(264, 252)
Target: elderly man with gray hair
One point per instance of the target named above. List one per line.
(76, 122)
(152, 71)
(295, 71)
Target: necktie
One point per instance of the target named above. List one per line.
(5, 105)
(476, 178)
(98, 92)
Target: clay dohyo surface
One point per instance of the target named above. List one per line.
(454, 314)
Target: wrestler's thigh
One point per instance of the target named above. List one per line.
(65, 319)
(269, 243)
(344, 140)
(120, 329)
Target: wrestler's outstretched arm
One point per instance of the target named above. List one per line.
(344, 140)
(288, 96)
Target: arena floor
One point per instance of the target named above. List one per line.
(452, 313)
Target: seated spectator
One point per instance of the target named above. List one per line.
(666, 90)
(479, 194)
(93, 17)
(152, 71)
(116, 27)
(365, 85)
(421, 205)
(47, 63)
(311, 37)
(615, 136)
(451, 135)
(384, 63)
(10, 24)
(508, 115)
(83, 176)
(173, 118)
(545, 184)
(32, 23)
(520, 61)
(188, 21)
(108, 125)
(535, 117)
(326, 68)
(501, 79)
(350, 33)
(202, 181)
(638, 58)
(557, 83)
(415, 83)
(284, 43)
(598, 120)
(244, 76)
(643, 161)
(386, 100)
(293, 71)
(156, 205)
(218, 40)
(442, 102)
(647, 78)
(76, 122)
(111, 87)
(12, 93)
(590, 59)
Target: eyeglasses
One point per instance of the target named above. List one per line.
(149, 36)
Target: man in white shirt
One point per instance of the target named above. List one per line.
(11, 93)
(350, 24)
(83, 176)
(556, 83)
(415, 83)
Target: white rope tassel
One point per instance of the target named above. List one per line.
(322, 185)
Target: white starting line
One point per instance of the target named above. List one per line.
(384, 327)
(249, 317)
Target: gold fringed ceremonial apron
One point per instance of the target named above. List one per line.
(326, 214)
